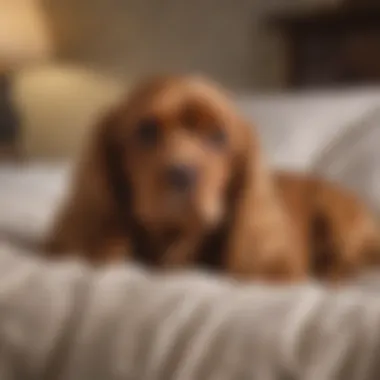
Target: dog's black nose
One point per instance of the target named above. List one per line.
(181, 177)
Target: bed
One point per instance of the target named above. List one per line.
(333, 133)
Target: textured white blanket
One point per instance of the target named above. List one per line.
(67, 322)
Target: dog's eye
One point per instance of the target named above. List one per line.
(190, 118)
(218, 138)
(148, 132)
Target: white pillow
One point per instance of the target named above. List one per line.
(353, 159)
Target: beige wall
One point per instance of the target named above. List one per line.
(223, 38)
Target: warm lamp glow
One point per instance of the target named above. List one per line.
(24, 37)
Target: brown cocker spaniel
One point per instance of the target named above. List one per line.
(174, 177)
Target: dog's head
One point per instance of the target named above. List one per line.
(177, 144)
(175, 156)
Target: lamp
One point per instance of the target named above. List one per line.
(24, 37)
(24, 40)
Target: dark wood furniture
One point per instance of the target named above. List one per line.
(9, 121)
(332, 47)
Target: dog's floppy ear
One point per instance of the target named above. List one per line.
(261, 237)
(98, 187)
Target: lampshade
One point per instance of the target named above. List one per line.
(24, 36)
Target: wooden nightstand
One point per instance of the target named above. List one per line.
(332, 47)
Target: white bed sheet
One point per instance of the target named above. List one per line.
(29, 196)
